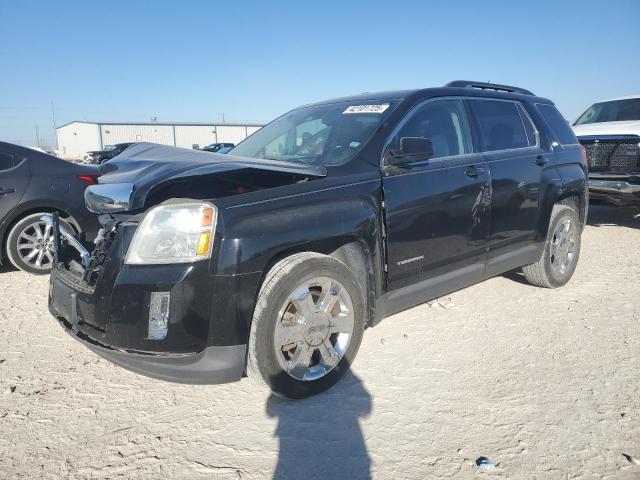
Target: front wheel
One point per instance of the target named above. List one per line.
(307, 325)
(561, 250)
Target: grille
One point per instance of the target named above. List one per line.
(613, 156)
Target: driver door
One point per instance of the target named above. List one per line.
(437, 209)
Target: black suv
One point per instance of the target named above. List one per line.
(101, 156)
(272, 260)
(216, 147)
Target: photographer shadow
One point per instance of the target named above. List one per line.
(320, 437)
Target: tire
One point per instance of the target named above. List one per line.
(554, 268)
(282, 331)
(17, 246)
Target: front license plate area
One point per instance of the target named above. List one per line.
(65, 301)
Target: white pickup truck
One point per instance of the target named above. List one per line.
(610, 132)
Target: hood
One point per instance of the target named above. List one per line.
(627, 127)
(127, 179)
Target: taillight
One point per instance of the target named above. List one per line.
(585, 158)
(90, 179)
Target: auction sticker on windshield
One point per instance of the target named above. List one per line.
(367, 108)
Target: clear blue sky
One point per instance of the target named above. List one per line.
(192, 60)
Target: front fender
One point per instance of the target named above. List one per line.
(252, 237)
(255, 236)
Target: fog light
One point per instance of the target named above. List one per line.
(159, 315)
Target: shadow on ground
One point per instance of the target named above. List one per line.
(600, 215)
(516, 276)
(7, 267)
(320, 437)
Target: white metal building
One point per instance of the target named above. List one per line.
(76, 138)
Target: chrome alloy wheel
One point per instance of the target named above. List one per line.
(35, 245)
(563, 247)
(314, 328)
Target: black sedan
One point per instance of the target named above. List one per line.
(33, 183)
(101, 156)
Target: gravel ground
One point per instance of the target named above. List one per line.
(543, 382)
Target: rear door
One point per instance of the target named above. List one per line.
(437, 209)
(14, 176)
(512, 149)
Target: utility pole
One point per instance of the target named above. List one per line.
(222, 117)
(37, 136)
(53, 122)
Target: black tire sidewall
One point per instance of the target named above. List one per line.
(272, 373)
(562, 213)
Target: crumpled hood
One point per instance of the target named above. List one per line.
(628, 127)
(144, 166)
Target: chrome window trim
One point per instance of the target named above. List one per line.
(523, 110)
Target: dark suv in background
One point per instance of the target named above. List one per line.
(271, 261)
(218, 147)
(101, 156)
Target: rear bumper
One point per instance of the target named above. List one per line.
(618, 189)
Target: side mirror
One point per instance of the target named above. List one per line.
(412, 149)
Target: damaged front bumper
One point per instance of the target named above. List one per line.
(112, 314)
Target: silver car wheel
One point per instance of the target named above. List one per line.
(35, 245)
(563, 247)
(314, 328)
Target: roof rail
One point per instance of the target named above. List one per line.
(488, 86)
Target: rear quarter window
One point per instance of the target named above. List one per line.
(558, 124)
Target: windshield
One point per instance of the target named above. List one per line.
(329, 134)
(614, 111)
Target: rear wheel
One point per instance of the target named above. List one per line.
(561, 251)
(30, 245)
(307, 325)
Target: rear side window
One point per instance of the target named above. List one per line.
(558, 124)
(6, 161)
(502, 125)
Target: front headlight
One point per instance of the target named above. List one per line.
(174, 233)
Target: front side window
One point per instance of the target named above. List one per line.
(502, 125)
(613, 111)
(329, 134)
(443, 123)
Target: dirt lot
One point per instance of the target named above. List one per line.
(544, 383)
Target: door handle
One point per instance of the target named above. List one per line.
(541, 160)
(473, 171)
(6, 191)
